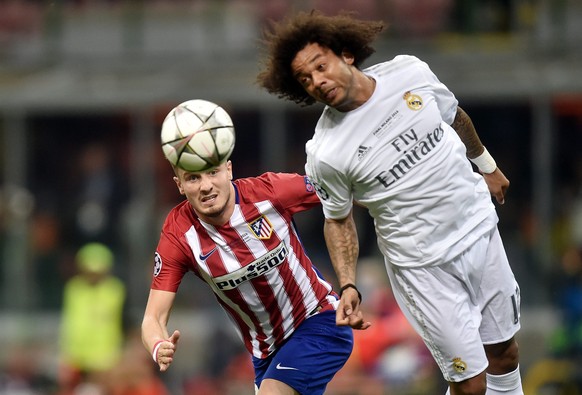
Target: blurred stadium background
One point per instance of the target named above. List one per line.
(85, 84)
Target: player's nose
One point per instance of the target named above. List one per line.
(205, 183)
(318, 80)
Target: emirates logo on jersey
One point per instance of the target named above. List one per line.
(261, 228)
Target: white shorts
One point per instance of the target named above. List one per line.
(458, 306)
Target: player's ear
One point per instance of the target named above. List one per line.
(229, 169)
(179, 185)
(348, 57)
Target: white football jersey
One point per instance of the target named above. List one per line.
(398, 156)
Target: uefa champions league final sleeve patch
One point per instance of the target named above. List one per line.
(157, 264)
(308, 185)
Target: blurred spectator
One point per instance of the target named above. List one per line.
(364, 9)
(420, 18)
(488, 16)
(272, 10)
(19, 18)
(577, 214)
(566, 341)
(91, 337)
(100, 193)
(237, 378)
(49, 270)
(21, 373)
(135, 374)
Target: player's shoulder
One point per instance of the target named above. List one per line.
(255, 188)
(179, 217)
(397, 63)
(264, 182)
(267, 186)
(180, 209)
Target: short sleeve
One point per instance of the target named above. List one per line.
(445, 99)
(332, 187)
(170, 261)
(293, 192)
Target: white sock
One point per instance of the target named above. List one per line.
(505, 384)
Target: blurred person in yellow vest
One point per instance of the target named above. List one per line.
(92, 330)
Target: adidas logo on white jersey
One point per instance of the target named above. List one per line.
(362, 151)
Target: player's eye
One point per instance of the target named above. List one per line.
(304, 81)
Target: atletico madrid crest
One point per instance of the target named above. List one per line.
(261, 227)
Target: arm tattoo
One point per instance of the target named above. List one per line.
(466, 131)
(342, 244)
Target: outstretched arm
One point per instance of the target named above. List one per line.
(476, 152)
(341, 239)
(154, 331)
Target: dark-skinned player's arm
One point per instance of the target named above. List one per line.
(478, 154)
(341, 238)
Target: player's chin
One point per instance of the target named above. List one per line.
(211, 209)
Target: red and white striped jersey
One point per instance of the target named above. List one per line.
(255, 263)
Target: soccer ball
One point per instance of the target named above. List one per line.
(197, 135)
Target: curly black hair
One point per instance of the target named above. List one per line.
(338, 33)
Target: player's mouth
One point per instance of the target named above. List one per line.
(329, 95)
(209, 199)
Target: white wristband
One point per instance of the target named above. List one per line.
(485, 162)
(155, 351)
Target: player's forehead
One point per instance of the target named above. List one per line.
(220, 168)
(309, 57)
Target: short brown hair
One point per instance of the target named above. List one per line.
(338, 33)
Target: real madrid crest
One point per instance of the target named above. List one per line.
(459, 365)
(414, 102)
